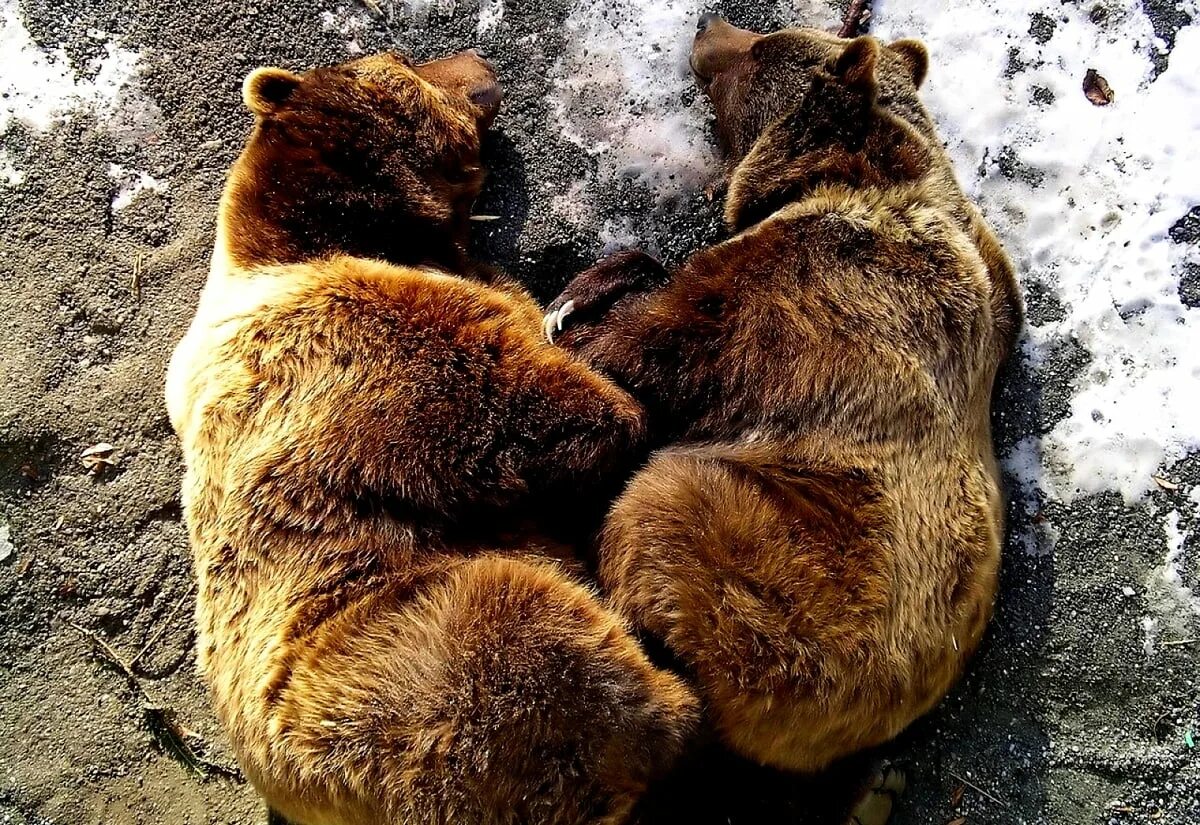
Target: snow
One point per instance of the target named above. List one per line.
(1173, 603)
(39, 87)
(10, 175)
(1087, 214)
(619, 92)
(347, 22)
(491, 12)
(132, 183)
(816, 14)
(421, 10)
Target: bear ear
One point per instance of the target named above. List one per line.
(267, 88)
(855, 66)
(915, 56)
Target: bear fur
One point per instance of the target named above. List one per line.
(371, 426)
(817, 542)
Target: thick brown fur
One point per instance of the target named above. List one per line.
(370, 432)
(817, 543)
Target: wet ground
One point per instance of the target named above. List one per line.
(1065, 716)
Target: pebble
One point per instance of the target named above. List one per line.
(6, 546)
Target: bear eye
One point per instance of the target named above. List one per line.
(711, 305)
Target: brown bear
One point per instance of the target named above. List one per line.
(816, 543)
(371, 426)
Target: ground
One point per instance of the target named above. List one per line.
(120, 117)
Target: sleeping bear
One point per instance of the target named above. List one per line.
(816, 542)
(372, 426)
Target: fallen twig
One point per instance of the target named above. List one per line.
(856, 18)
(139, 261)
(373, 7)
(975, 787)
(161, 719)
(1178, 642)
(113, 657)
(166, 625)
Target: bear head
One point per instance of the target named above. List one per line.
(378, 157)
(799, 113)
(801, 107)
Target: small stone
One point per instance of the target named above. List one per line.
(1128, 591)
(6, 545)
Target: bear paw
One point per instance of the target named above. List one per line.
(875, 805)
(595, 291)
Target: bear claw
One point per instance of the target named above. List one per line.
(553, 320)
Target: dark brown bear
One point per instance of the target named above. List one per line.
(370, 431)
(817, 544)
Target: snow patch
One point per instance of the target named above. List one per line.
(10, 175)
(617, 234)
(1083, 198)
(491, 12)
(348, 23)
(816, 14)
(39, 87)
(132, 183)
(574, 204)
(1172, 601)
(618, 92)
(421, 10)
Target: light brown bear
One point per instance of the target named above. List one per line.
(817, 544)
(371, 431)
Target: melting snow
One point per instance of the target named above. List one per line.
(9, 174)
(39, 87)
(619, 90)
(491, 12)
(1083, 197)
(816, 14)
(132, 182)
(422, 10)
(1172, 601)
(348, 23)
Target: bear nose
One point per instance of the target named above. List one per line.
(707, 20)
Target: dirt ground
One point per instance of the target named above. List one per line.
(1064, 718)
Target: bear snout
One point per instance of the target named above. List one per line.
(718, 46)
(469, 74)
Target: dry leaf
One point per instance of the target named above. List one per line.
(1165, 483)
(1097, 89)
(962, 820)
(956, 795)
(98, 457)
(485, 217)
